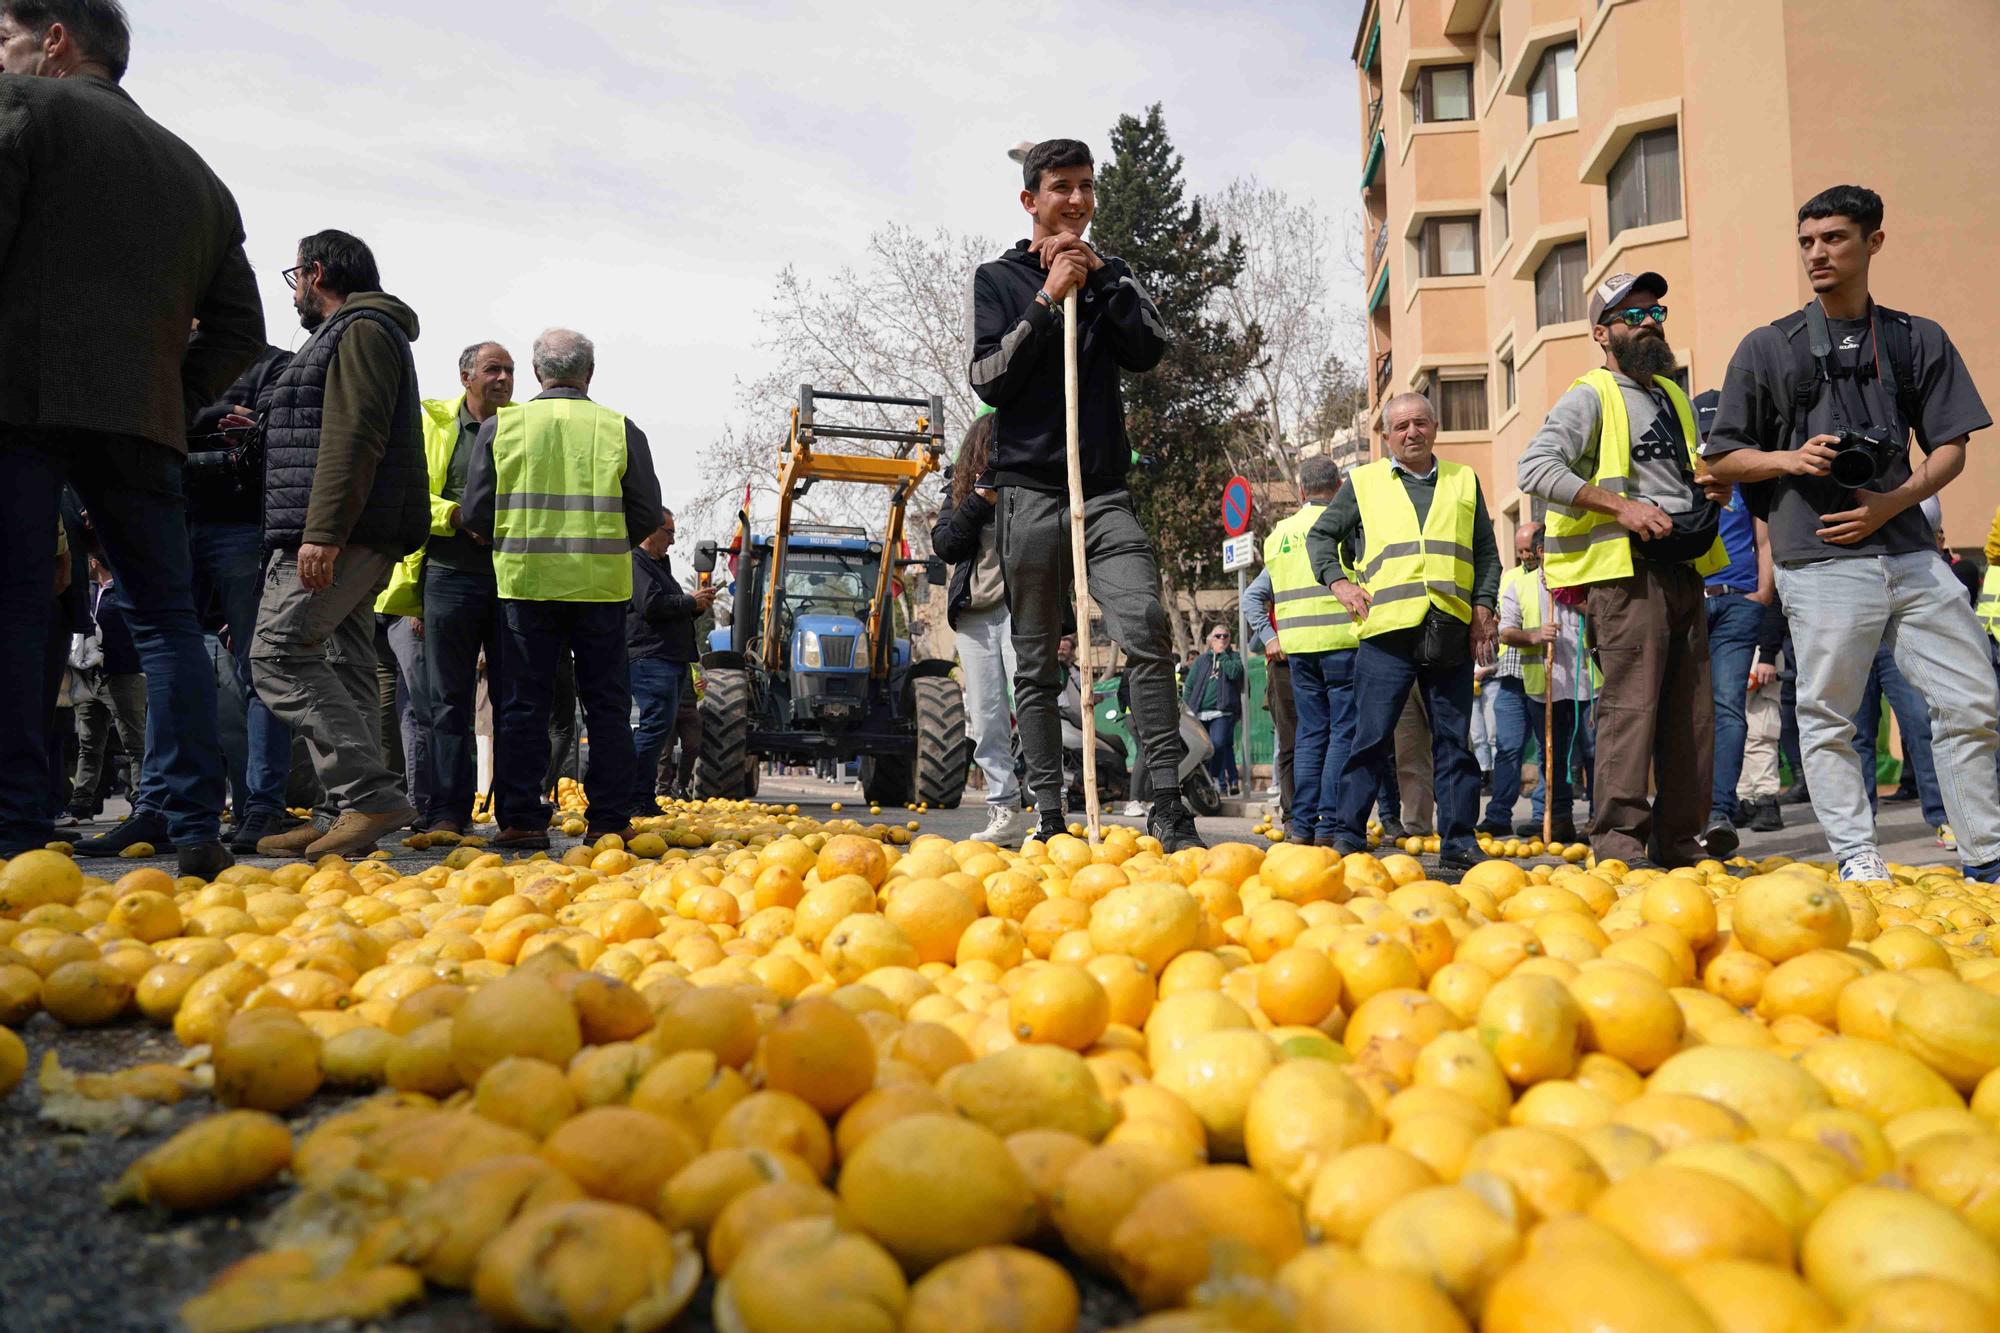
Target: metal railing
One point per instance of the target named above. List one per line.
(1374, 119)
(1381, 246)
(1382, 367)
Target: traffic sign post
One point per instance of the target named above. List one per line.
(1238, 553)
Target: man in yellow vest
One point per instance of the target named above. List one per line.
(447, 589)
(1415, 532)
(563, 489)
(1316, 635)
(1632, 521)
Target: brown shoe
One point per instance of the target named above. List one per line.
(357, 831)
(450, 826)
(520, 839)
(292, 842)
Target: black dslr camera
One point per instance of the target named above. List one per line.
(230, 466)
(1863, 455)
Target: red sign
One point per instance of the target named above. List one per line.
(1236, 507)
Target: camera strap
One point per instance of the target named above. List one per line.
(1819, 345)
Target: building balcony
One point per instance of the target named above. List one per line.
(1384, 368)
(1371, 166)
(1442, 161)
(1374, 117)
(1381, 247)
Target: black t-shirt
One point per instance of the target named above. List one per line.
(1756, 412)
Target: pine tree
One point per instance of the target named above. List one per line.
(1180, 414)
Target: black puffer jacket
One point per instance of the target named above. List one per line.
(388, 468)
(955, 538)
(219, 501)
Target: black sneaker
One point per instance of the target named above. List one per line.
(1459, 861)
(1495, 830)
(258, 824)
(1903, 795)
(1171, 823)
(1048, 826)
(1796, 795)
(137, 828)
(205, 860)
(1765, 817)
(1719, 838)
(1394, 831)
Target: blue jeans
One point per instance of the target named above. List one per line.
(1384, 673)
(536, 632)
(1222, 735)
(229, 572)
(1733, 622)
(132, 491)
(461, 617)
(1913, 718)
(1322, 691)
(1513, 724)
(656, 688)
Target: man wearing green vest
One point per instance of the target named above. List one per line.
(563, 489)
(1415, 531)
(1632, 522)
(1317, 636)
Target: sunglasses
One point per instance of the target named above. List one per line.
(292, 275)
(1636, 315)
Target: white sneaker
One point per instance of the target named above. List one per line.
(1945, 837)
(1866, 865)
(1134, 809)
(1005, 825)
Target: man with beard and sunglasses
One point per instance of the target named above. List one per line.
(1632, 527)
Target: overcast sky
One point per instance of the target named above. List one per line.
(642, 173)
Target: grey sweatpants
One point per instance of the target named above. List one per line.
(1035, 565)
(313, 662)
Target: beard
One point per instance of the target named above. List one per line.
(1644, 355)
(310, 316)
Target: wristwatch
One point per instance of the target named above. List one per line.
(1048, 302)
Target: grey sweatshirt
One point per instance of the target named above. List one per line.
(1562, 457)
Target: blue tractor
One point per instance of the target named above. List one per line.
(810, 666)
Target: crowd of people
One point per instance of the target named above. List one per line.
(225, 554)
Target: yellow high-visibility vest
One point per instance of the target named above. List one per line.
(1408, 568)
(404, 595)
(1583, 546)
(1988, 605)
(1529, 592)
(559, 510)
(1310, 619)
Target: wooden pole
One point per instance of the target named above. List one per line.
(1548, 712)
(1079, 566)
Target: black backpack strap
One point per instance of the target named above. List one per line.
(1809, 358)
(1899, 350)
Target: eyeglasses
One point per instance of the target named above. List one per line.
(292, 275)
(1636, 315)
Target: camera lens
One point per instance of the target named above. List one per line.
(1855, 466)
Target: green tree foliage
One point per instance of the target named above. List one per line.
(1180, 415)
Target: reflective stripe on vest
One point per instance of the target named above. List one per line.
(1407, 569)
(1988, 605)
(1583, 546)
(1534, 667)
(558, 508)
(1310, 619)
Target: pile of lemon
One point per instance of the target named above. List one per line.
(872, 1085)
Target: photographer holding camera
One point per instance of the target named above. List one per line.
(1816, 415)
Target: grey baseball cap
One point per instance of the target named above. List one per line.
(1616, 290)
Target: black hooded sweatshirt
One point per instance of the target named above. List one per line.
(1017, 367)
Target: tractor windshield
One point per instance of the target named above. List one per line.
(819, 584)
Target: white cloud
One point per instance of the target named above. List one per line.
(643, 173)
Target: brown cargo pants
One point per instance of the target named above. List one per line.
(1655, 714)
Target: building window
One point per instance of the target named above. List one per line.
(1499, 207)
(1559, 285)
(1462, 403)
(1645, 184)
(1444, 92)
(1450, 247)
(1680, 377)
(1507, 381)
(1552, 92)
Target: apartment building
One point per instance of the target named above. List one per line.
(1515, 152)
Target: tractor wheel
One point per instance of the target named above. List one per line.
(944, 750)
(885, 780)
(725, 768)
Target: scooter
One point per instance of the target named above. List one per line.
(1198, 788)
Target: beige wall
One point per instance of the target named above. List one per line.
(1775, 100)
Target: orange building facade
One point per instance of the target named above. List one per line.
(1515, 152)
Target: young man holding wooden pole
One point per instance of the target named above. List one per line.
(1054, 448)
